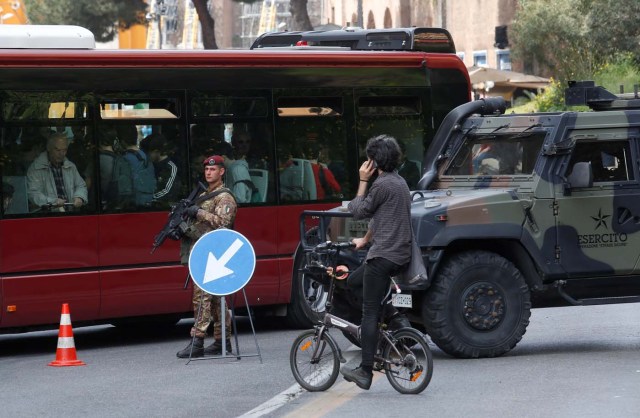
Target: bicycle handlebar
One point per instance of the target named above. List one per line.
(330, 245)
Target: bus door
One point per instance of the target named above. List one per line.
(238, 125)
(403, 113)
(143, 162)
(313, 148)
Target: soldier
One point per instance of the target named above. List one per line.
(218, 211)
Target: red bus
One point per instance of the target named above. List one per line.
(275, 110)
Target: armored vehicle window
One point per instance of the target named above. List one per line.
(497, 155)
(610, 160)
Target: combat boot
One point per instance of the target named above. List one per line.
(215, 349)
(193, 350)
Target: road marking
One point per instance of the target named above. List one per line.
(276, 402)
(329, 401)
(325, 402)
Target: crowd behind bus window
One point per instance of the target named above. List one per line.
(305, 158)
(128, 178)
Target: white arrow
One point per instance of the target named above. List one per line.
(216, 268)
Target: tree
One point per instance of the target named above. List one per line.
(100, 17)
(299, 15)
(552, 34)
(614, 25)
(207, 23)
(573, 39)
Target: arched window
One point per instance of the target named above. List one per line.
(371, 23)
(387, 19)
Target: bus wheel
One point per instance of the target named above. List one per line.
(478, 305)
(308, 298)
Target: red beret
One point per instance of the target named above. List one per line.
(213, 160)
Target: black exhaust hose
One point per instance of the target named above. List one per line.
(450, 124)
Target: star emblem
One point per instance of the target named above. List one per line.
(601, 220)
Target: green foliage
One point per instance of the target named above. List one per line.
(103, 18)
(552, 99)
(622, 70)
(613, 26)
(574, 39)
(553, 34)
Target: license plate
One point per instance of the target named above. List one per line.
(402, 300)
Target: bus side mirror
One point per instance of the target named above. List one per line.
(581, 175)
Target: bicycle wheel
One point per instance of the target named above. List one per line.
(314, 373)
(408, 362)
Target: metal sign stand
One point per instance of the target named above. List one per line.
(234, 262)
(234, 326)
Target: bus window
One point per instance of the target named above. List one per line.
(138, 171)
(49, 154)
(400, 116)
(143, 130)
(236, 125)
(21, 106)
(146, 108)
(245, 147)
(226, 106)
(311, 148)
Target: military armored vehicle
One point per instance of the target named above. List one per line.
(516, 211)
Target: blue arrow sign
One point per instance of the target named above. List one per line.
(222, 262)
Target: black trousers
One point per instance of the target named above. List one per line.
(376, 282)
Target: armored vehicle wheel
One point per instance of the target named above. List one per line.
(478, 306)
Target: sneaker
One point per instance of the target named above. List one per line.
(357, 376)
(193, 350)
(399, 321)
(215, 349)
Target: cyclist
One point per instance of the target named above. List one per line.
(387, 202)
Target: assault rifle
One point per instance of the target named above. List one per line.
(176, 225)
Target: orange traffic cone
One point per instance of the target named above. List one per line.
(66, 352)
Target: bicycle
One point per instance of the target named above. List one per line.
(315, 356)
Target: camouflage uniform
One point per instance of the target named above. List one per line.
(217, 212)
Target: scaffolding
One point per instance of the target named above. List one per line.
(190, 28)
(261, 17)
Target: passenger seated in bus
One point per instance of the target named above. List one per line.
(326, 183)
(32, 143)
(407, 168)
(53, 181)
(7, 196)
(116, 180)
(168, 182)
(81, 151)
(290, 188)
(257, 151)
(237, 177)
(335, 166)
(142, 171)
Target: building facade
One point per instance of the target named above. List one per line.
(472, 23)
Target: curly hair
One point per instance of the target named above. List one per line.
(384, 151)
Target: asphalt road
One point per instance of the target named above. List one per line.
(572, 362)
